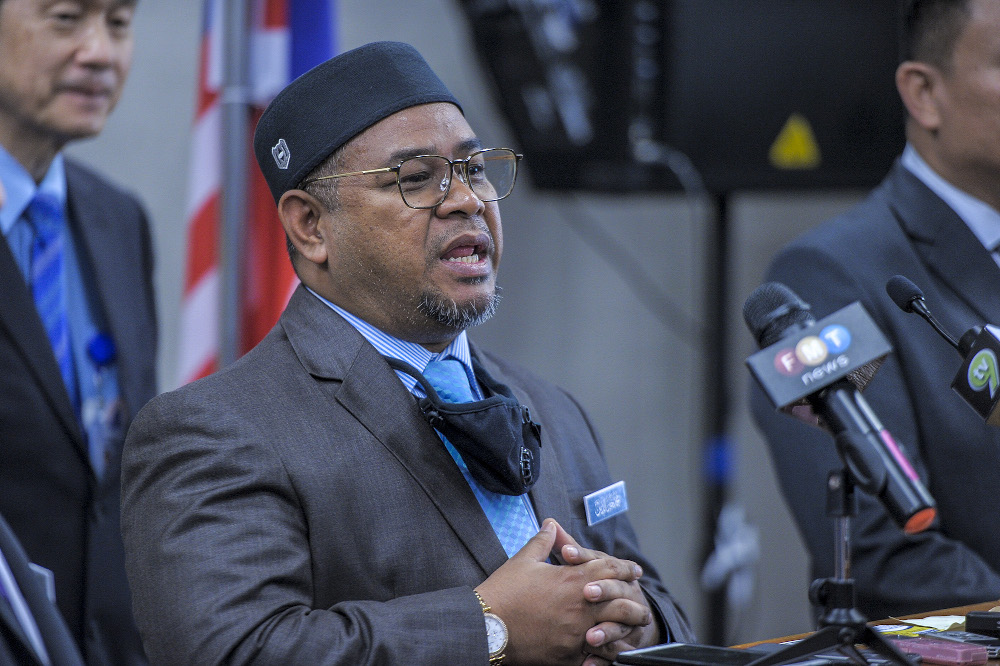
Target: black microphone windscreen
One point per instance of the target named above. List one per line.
(903, 292)
(772, 310)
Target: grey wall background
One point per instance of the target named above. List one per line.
(565, 312)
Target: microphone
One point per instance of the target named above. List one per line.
(819, 362)
(845, 345)
(978, 378)
(909, 298)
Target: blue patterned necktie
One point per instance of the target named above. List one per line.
(46, 217)
(508, 514)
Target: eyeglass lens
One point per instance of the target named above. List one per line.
(424, 181)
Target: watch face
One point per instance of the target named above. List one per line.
(496, 634)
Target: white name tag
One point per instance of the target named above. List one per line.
(605, 503)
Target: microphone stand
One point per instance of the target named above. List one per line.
(841, 624)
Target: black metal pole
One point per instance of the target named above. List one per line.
(234, 105)
(715, 442)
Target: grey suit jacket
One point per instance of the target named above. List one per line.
(297, 508)
(15, 649)
(66, 519)
(901, 228)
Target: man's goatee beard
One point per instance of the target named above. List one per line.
(448, 313)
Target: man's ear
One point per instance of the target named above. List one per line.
(919, 85)
(300, 214)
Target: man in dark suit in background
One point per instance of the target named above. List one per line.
(298, 507)
(77, 327)
(32, 632)
(936, 220)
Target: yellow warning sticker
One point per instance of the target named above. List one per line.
(795, 147)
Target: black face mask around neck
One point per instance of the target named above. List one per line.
(496, 437)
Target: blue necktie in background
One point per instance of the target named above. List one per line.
(508, 514)
(46, 217)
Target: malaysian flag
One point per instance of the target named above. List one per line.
(287, 37)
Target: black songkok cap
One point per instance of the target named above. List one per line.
(323, 109)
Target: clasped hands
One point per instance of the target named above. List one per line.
(583, 611)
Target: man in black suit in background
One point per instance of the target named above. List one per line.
(935, 219)
(77, 327)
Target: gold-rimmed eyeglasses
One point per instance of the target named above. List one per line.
(425, 180)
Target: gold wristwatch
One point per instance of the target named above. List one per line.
(496, 633)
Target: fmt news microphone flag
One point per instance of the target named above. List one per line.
(846, 344)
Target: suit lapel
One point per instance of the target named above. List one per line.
(20, 319)
(549, 495)
(365, 385)
(946, 245)
(98, 242)
(19, 569)
(12, 627)
(55, 635)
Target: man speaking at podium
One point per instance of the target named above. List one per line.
(936, 220)
(299, 508)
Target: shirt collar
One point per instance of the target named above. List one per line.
(408, 352)
(20, 187)
(981, 218)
